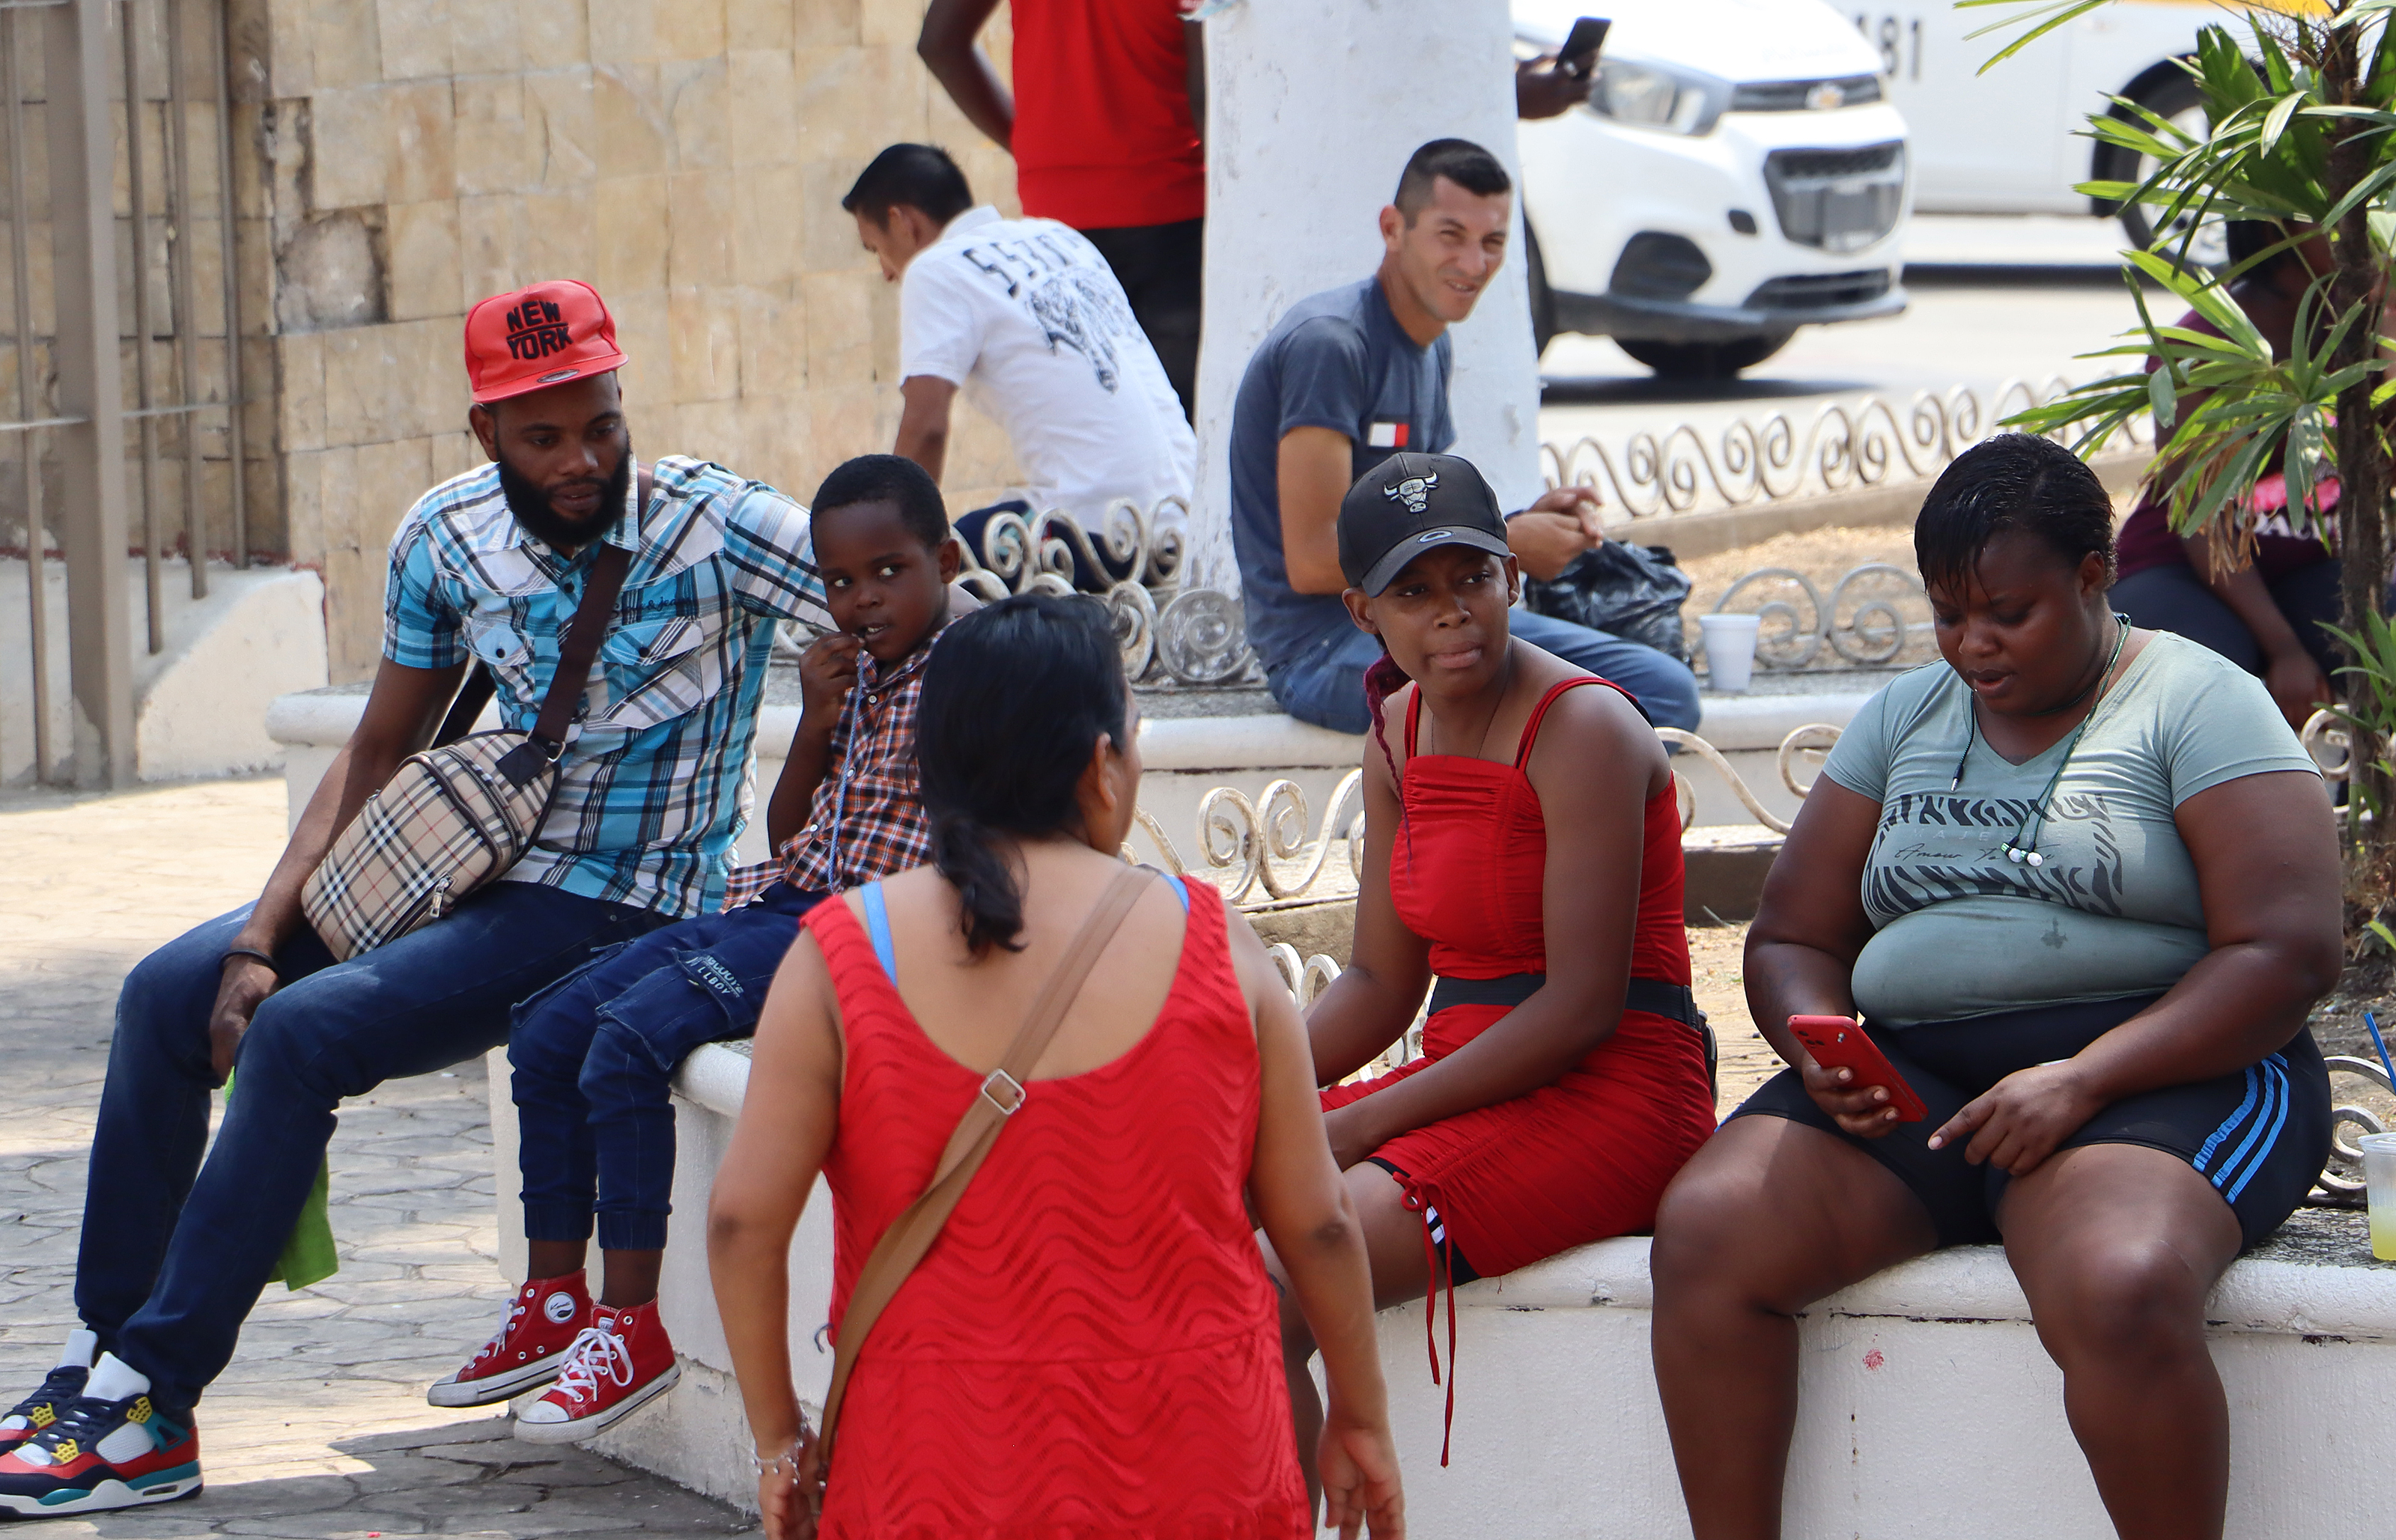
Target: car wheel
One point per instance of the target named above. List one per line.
(1543, 299)
(2176, 97)
(1703, 359)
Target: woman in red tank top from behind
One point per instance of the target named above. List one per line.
(1523, 865)
(1088, 1347)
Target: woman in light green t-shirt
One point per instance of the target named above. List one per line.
(2082, 884)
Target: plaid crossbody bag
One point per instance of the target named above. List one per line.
(456, 817)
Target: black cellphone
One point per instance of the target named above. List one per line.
(1579, 56)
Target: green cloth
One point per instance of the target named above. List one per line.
(2113, 909)
(309, 1257)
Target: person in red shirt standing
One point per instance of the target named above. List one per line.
(1103, 126)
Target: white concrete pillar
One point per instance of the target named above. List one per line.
(1312, 108)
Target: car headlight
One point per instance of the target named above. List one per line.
(1651, 96)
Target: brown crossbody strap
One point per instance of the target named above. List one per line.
(580, 646)
(911, 1234)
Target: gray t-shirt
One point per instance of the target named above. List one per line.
(1962, 931)
(1336, 360)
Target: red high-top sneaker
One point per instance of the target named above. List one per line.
(618, 1364)
(544, 1320)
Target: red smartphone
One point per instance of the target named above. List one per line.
(1837, 1043)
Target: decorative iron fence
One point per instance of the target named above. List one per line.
(1191, 636)
(1846, 446)
(1866, 622)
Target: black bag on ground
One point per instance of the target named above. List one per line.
(1632, 591)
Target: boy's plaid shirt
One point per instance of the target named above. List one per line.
(867, 819)
(653, 784)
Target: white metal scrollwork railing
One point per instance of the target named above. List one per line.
(2325, 738)
(1172, 632)
(1847, 446)
(1864, 621)
(1271, 849)
(2341, 1177)
(1193, 636)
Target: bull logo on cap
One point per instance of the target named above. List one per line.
(1415, 492)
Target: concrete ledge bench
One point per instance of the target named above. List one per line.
(1929, 1407)
(1194, 741)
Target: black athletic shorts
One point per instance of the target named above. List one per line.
(2259, 1136)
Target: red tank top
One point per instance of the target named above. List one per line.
(1092, 1344)
(1470, 863)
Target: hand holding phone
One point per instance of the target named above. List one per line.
(1838, 1043)
(1579, 56)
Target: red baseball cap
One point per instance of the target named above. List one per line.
(537, 337)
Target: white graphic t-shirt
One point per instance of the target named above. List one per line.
(1028, 318)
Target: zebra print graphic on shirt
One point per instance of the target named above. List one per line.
(1935, 846)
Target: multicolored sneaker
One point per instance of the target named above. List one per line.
(62, 1385)
(617, 1365)
(545, 1319)
(108, 1448)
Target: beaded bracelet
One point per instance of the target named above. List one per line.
(785, 1464)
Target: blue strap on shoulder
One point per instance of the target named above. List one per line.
(877, 926)
(1180, 886)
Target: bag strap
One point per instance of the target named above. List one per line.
(472, 696)
(911, 1234)
(580, 647)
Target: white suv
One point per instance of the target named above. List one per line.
(1735, 173)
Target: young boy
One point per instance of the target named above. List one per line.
(594, 1054)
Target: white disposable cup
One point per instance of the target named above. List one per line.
(2379, 1177)
(1730, 650)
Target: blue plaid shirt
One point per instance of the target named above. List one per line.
(654, 784)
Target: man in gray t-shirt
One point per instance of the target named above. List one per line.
(1348, 378)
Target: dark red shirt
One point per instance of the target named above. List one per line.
(2146, 540)
(1103, 134)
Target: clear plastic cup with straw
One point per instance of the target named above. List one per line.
(2379, 1178)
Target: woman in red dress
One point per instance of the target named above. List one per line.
(1523, 863)
(1088, 1347)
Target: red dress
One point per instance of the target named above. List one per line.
(1587, 1156)
(1091, 1347)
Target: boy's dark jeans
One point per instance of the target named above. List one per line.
(594, 1054)
(173, 1253)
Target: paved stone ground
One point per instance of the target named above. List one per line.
(319, 1428)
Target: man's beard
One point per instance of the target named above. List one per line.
(532, 509)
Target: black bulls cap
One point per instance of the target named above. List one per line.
(1407, 504)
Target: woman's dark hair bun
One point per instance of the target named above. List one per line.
(1015, 698)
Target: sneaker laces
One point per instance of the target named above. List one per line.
(507, 1328)
(82, 1419)
(596, 1352)
(59, 1386)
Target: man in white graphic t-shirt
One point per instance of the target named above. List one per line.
(1028, 317)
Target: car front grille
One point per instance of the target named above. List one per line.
(1799, 96)
(1819, 290)
(1837, 200)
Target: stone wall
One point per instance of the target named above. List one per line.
(687, 157)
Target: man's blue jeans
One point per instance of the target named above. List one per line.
(1325, 685)
(174, 1252)
(595, 1053)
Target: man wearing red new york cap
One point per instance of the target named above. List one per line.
(486, 569)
